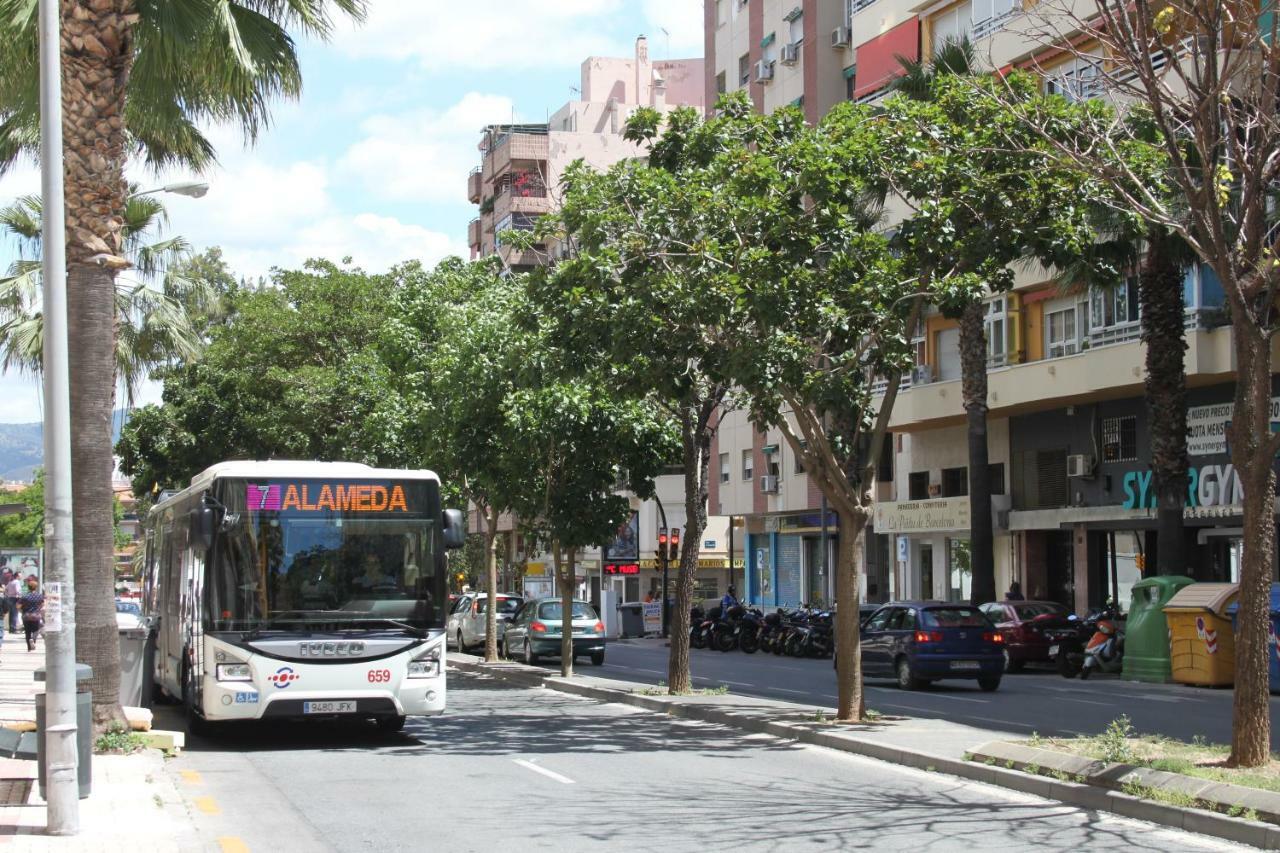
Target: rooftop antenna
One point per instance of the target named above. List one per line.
(668, 49)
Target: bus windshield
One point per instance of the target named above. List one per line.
(313, 564)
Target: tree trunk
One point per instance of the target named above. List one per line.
(1163, 331)
(973, 371)
(1250, 453)
(97, 54)
(695, 434)
(491, 578)
(850, 705)
(566, 611)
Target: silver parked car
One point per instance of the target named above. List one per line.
(466, 624)
(534, 632)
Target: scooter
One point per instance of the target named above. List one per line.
(1105, 649)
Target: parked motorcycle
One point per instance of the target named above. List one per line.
(1105, 649)
(1071, 646)
(699, 628)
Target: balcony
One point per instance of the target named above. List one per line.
(507, 203)
(474, 182)
(1101, 371)
(515, 146)
(473, 233)
(518, 259)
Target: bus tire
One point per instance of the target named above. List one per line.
(391, 724)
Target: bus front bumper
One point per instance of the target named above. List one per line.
(244, 702)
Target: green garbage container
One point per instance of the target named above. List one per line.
(1146, 636)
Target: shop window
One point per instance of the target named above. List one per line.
(748, 464)
(918, 485)
(724, 467)
(955, 482)
(1120, 439)
(995, 475)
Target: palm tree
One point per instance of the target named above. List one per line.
(152, 323)
(139, 79)
(957, 57)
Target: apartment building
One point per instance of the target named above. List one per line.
(521, 163)
(1068, 435)
(515, 183)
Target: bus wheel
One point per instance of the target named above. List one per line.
(391, 724)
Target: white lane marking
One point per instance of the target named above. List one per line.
(642, 669)
(949, 697)
(1087, 702)
(550, 774)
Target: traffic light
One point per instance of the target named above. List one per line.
(662, 544)
(675, 543)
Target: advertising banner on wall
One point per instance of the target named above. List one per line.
(1207, 427)
(24, 561)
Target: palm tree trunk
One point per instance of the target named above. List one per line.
(97, 55)
(973, 388)
(1163, 331)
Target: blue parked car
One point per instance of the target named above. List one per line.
(917, 642)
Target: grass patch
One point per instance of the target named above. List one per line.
(660, 689)
(118, 740)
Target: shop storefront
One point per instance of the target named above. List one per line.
(790, 559)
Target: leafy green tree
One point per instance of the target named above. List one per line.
(25, 530)
(154, 303)
(139, 80)
(634, 295)
(975, 206)
(297, 374)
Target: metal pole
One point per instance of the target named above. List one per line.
(62, 786)
(662, 563)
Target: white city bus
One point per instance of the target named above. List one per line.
(301, 589)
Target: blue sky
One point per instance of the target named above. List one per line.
(372, 161)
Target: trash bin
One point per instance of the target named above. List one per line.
(84, 731)
(1146, 636)
(632, 619)
(1202, 647)
(133, 666)
(1273, 631)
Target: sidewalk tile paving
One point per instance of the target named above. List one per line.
(135, 802)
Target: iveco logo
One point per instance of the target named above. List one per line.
(330, 650)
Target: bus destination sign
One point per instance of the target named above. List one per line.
(325, 497)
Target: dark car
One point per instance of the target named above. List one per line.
(533, 632)
(917, 642)
(1023, 625)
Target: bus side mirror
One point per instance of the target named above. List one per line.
(203, 524)
(455, 535)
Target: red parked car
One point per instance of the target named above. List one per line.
(1022, 623)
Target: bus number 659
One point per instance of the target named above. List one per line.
(379, 676)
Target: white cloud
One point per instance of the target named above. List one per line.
(423, 155)
(445, 35)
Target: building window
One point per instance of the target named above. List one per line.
(952, 25)
(993, 322)
(1060, 333)
(1115, 306)
(918, 485)
(720, 13)
(799, 466)
(773, 461)
(720, 83)
(850, 81)
(795, 29)
(955, 482)
(995, 476)
(1120, 439)
(724, 467)
(748, 464)
(744, 69)
(1076, 80)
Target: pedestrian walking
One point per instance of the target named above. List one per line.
(32, 605)
(1014, 593)
(12, 591)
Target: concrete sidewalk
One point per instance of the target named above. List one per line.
(134, 804)
(926, 744)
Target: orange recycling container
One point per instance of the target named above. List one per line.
(1202, 646)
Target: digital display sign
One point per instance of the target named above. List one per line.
(325, 497)
(621, 568)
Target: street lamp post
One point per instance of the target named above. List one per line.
(191, 189)
(62, 790)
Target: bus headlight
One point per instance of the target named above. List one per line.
(234, 672)
(427, 666)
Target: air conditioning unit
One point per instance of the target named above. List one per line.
(935, 490)
(1079, 465)
(764, 71)
(769, 485)
(921, 374)
(790, 54)
(840, 37)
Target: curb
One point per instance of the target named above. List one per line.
(1200, 821)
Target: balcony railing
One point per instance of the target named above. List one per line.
(473, 232)
(474, 180)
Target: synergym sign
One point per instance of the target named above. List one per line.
(1208, 486)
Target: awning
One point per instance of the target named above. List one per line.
(877, 60)
(767, 40)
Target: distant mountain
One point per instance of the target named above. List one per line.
(22, 447)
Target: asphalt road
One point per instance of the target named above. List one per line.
(1030, 701)
(518, 768)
